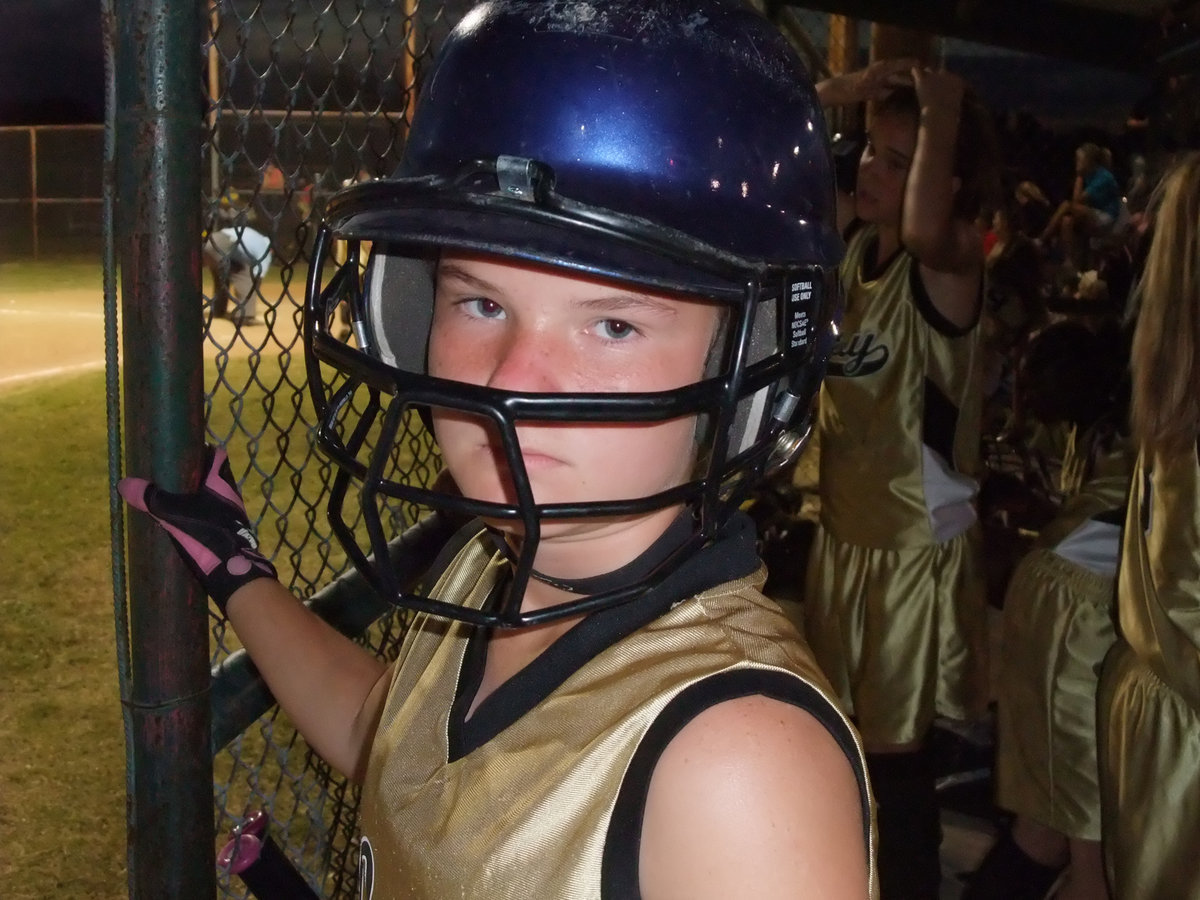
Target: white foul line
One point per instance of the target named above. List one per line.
(52, 313)
(48, 373)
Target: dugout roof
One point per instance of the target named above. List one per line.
(1131, 35)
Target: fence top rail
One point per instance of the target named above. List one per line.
(76, 126)
(48, 200)
(252, 112)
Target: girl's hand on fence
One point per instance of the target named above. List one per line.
(209, 527)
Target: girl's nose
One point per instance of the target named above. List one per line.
(527, 360)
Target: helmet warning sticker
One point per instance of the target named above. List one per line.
(801, 304)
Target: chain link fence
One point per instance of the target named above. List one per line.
(302, 98)
(50, 190)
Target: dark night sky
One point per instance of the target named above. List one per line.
(51, 62)
(52, 70)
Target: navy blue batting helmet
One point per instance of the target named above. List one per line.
(674, 145)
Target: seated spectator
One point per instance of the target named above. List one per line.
(1013, 308)
(1013, 271)
(1032, 210)
(1139, 186)
(1094, 208)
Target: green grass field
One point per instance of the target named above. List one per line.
(62, 800)
(62, 806)
(62, 810)
(67, 273)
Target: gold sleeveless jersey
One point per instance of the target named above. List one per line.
(1159, 582)
(550, 804)
(1094, 483)
(900, 412)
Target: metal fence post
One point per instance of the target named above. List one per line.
(157, 121)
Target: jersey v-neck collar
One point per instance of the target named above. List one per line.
(732, 555)
(871, 268)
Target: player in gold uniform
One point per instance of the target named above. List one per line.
(894, 595)
(1057, 626)
(1149, 702)
(605, 277)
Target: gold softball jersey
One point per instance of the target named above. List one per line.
(1149, 705)
(540, 792)
(1057, 626)
(895, 594)
(899, 412)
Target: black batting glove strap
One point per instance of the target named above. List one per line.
(209, 527)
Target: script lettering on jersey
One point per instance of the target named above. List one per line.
(857, 355)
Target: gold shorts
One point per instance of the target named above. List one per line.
(1149, 782)
(901, 634)
(1057, 627)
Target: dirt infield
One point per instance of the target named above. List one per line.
(44, 334)
(51, 333)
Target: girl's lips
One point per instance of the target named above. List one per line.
(533, 458)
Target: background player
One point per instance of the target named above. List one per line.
(238, 257)
(1057, 627)
(894, 597)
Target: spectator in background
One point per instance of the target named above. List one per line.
(1164, 122)
(1139, 186)
(1013, 265)
(1149, 697)
(1093, 209)
(1014, 307)
(1032, 211)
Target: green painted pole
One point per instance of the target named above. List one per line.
(157, 115)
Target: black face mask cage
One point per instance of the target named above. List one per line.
(385, 399)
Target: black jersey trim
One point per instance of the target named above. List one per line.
(731, 556)
(939, 422)
(461, 537)
(619, 873)
(930, 313)
(871, 268)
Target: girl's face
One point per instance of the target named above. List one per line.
(883, 169)
(519, 327)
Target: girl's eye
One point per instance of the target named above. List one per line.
(615, 329)
(482, 307)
